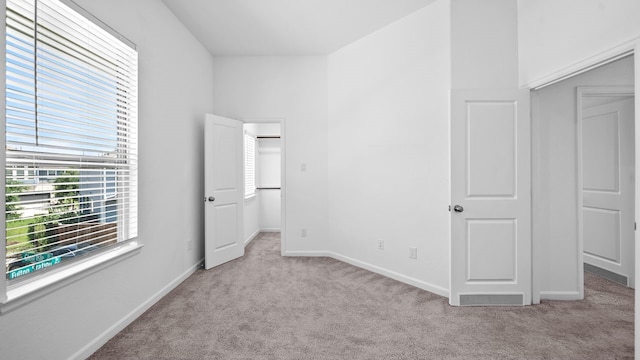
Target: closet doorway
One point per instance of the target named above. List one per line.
(264, 203)
(583, 180)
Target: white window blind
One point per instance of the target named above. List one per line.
(249, 165)
(71, 137)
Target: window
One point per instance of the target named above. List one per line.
(249, 165)
(71, 137)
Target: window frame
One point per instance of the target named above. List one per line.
(41, 283)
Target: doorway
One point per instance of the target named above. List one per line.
(606, 169)
(558, 176)
(264, 203)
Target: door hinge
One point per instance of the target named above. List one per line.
(449, 208)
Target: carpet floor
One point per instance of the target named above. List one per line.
(264, 306)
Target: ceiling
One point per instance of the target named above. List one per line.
(286, 27)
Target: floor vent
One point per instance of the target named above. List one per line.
(491, 300)
(620, 279)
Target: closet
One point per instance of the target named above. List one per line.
(263, 207)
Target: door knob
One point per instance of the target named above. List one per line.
(458, 208)
(211, 198)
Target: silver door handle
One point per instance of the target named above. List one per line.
(458, 208)
(211, 198)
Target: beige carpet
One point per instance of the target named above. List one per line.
(264, 306)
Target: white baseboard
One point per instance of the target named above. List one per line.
(102, 339)
(376, 269)
(560, 295)
(250, 239)
(257, 232)
(308, 253)
(393, 275)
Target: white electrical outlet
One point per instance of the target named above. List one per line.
(413, 253)
(303, 232)
(381, 244)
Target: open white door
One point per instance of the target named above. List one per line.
(490, 197)
(606, 173)
(224, 190)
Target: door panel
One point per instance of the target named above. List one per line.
(602, 224)
(607, 162)
(224, 164)
(492, 170)
(490, 181)
(601, 149)
(226, 223)
(224, 190)
(492, 250)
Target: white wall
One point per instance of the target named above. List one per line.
(556, 34)
(270, 210)
(251, 218)
(484, 44)
(78, 318)
(293, 88)
(267, 129)
(269, 158)
(388, 146)
(555, 217)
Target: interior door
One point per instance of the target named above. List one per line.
(224, 190)
(490, 197)
(608, 195)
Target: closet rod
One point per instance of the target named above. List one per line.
(269, 137)
(268, 188)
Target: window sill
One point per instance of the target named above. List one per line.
(249, 197)
(24, 293)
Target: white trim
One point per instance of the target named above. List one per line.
(250, 239)
(560, 295)
(32, 289)
(283, 183)
(118, 326)
(597, 60)
(270, 230)
(637, 190)
(308, 254)
(536, 182)
(438, 290)
(256, 233)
